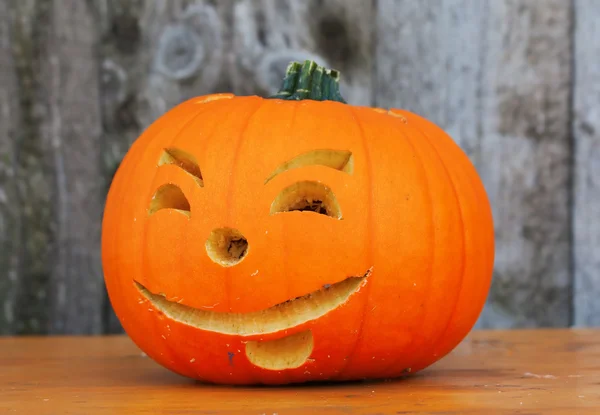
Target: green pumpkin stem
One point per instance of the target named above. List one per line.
(310, 81)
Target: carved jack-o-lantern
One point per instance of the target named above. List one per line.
(251, 240)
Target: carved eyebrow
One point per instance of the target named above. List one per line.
(341, 160)
(183, 160)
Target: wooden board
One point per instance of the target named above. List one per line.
(496, 76)
(586, 133)
(493, 372)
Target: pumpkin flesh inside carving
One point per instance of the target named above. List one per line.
(283, 316)
(226, 246)
(307, 196)
(288, 352)
(341, 160)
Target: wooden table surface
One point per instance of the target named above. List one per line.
(521, 372)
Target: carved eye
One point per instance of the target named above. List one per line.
(310, 196)
(170, 196)
(307, 196)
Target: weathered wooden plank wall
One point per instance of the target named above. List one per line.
(270, 33)
(53, 201)
(515, 82)
(496, 76)
(586, 166)
(10, 219)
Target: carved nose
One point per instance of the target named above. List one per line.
(226, 246)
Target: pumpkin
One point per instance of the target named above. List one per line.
(296, 238)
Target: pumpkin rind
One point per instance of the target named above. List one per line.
(415, 217)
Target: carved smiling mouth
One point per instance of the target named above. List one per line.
(279, 317)
(285, 353)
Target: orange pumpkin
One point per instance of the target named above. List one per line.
(298, 238)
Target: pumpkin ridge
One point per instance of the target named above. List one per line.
(462, 223)
(205, 146)
(210, 135)
(202, 109)
(284, 240)
(155, 323)
(411, 142)
(229, 202)
(370, 240)
(151, 185)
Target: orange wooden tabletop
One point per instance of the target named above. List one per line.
(524, 372)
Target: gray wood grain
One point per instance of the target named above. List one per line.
(515, 82)
(428, 60)
(183, 48)
(32, 198)
(525, 160)
(271, 33)
(70, 131)
(51, 133)
(9, 207)
(155, 55)
(586, 132)
(496, 76)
